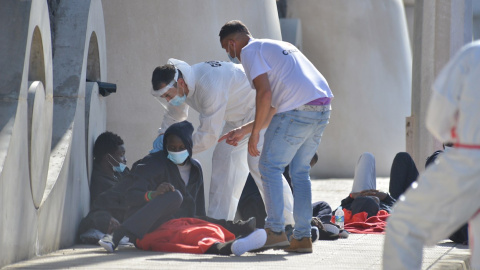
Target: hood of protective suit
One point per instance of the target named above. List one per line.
(184, 131)
(187, 73)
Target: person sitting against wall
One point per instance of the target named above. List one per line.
(168, 185)
(109, 163)
(109, 166)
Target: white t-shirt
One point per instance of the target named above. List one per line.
(185, 171)
(294, 80)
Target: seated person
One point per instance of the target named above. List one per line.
(108, 163)
(167, 185)
(108, 168)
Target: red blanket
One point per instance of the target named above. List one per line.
(359, 223)
(186, 235)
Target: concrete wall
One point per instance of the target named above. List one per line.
(143, 36)
(476, 19)
(362, 48)
(409, 6)
(48, 117)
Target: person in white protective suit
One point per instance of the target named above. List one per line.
(446, 193)
(221, 94)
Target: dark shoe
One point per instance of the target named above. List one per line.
(303, 245)
(315, 234)
(325, 231)
(243, 227)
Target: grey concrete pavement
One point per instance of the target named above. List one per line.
(358, 251)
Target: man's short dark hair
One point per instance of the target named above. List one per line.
(232, 27)
(163, 74)
(106, 143)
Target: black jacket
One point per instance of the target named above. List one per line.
(102, 181)
(156, 168)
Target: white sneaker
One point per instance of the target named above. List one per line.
(107, 243)
(255, 240)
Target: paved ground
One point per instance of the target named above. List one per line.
(356, 252)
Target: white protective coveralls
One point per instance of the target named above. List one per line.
(221, 94)
(447, 194)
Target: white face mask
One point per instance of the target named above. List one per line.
(178, 157)
(235, 59)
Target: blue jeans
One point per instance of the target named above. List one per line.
(291, 138)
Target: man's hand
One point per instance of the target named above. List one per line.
(162, 189)
(233, 137)
(252, 145)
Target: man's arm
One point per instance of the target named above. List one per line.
(263, 114)
(264, 111)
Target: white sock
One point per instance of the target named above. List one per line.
(254, 240)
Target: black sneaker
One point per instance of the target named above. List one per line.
(323, 232)
(244, 227)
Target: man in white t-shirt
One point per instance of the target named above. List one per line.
(220, 93)
(293, 100)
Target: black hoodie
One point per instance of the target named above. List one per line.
(156, 168)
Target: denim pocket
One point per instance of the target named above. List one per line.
(296, 131)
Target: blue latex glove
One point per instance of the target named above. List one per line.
(157, 144)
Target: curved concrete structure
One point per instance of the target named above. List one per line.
(25, 108)
(78, 54)
(362, 49)
(43, 145)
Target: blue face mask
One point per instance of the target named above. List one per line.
(177, 101)
(235, 59)
(121, 166)
(178, 157)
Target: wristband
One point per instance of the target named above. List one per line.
(149, 195)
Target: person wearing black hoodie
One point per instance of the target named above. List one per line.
(166, 185)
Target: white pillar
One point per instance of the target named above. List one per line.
(441, 28)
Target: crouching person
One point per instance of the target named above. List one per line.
(169, 185)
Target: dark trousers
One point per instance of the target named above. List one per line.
(160, 210)
(402, 174)
(153, 214)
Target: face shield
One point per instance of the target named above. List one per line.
(170, 94)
